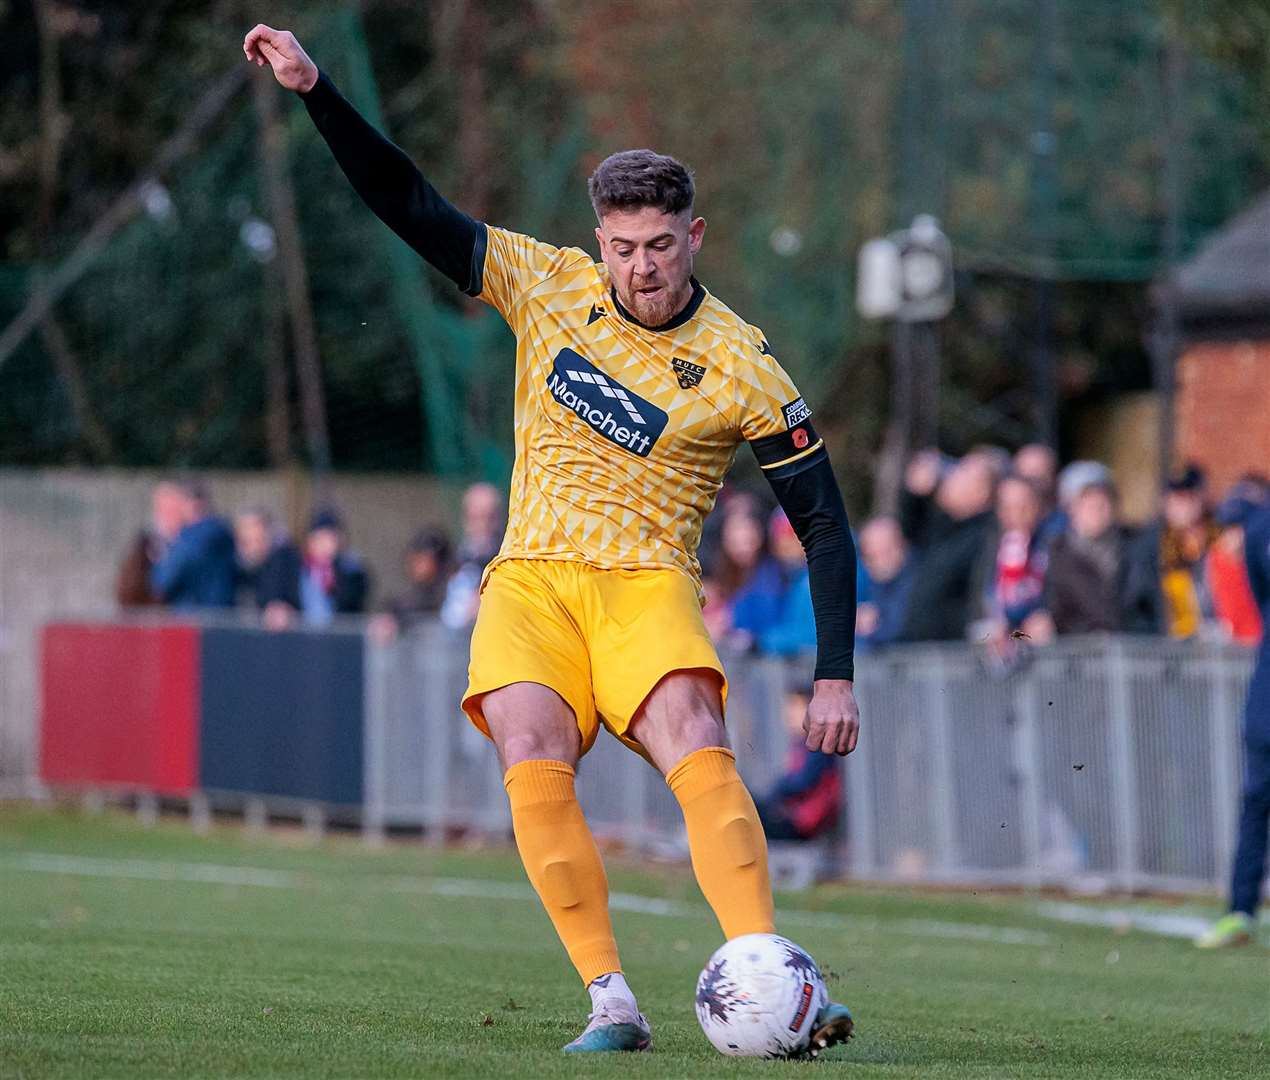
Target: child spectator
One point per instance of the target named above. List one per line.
(806, 802)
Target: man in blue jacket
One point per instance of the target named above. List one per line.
(1239, 925)
(198, 569)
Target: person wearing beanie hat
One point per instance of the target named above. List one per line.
(333, 580)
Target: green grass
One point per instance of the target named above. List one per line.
(356, 967)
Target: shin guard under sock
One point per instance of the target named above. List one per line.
(729, 850)
(563, 862)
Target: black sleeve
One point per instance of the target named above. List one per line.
(809, 495)
(391, 185)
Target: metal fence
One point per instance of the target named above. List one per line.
(1092, 764)
(1099, 763)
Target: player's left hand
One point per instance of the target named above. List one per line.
(832, 723)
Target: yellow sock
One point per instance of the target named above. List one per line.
(563, 862)
(729, 850)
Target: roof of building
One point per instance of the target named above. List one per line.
(1228, 279)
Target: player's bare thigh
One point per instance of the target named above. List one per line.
(531, 722)
(682, 714)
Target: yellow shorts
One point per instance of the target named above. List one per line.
(601, 639)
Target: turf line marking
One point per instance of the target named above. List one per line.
(473, 889)
(1164, 924)
(150, 870)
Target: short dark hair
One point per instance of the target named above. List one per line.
(631, 179)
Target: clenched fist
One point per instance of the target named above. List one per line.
(279, 48)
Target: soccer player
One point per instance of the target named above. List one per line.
(634, 388)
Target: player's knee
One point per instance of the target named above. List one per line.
(521, 746)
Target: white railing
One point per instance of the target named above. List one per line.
(1101, 763)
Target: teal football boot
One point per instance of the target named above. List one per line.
(614, 1027)
(833, 1025)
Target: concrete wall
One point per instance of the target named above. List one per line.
(63, 532)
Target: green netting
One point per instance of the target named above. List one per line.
(812, 126)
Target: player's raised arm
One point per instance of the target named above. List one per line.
(385, 178)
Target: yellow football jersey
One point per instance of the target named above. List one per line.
(623, 433)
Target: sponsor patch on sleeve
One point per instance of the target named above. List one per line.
(795, 412)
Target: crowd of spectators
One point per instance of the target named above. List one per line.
(990, 547)
(189, 557)
(996, 549)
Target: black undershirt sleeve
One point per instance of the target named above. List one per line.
(391, 185)
(809, 495)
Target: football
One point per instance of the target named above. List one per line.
(758, 997)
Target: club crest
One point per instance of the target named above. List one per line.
(689, 375)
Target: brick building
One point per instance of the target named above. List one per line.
(1221, 408)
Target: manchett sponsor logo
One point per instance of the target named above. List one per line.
(620, 416)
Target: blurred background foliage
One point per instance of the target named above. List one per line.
(1042, 134)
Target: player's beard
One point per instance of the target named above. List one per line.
(662, 306)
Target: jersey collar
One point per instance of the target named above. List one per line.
(689, 309)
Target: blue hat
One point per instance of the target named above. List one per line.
(326, 517)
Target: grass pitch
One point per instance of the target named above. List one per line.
(131, 952)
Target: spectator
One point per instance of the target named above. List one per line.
(749, 579)
(888, 573)
(1084, 580)
(198, 568)
(1167, 589)
(333, 580)
(167, 518)
(1038, 464)
(482, 535)
(269, 567)
(946, 514)
(1233, 602)
(1249, 871)
(427, 566)
(1015, 571)
(806, 802)
(793, 630)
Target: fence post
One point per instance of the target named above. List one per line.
(947, 855)
(379, 669)
(862, 856)
(437, 727)
(1027, 768)
(1124, 787)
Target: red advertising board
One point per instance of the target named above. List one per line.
(120, 706)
